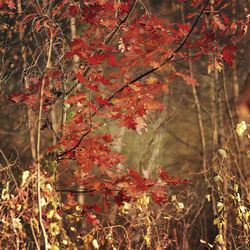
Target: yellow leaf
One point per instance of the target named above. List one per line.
(155, 65)
(54, 228)
(216, 221)
(25, 176)
(50, 214)
(54, 247)
(95, 244)
(151, 80)
(219, 239)
(220, 206)
(241, 128)
(147, 240)
(223, 153)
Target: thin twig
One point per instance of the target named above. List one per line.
(9, 167)
(38, 147)
(34, 235)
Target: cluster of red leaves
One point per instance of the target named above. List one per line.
(9, 3)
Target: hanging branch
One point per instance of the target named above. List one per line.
(108, 39)
(167, 60)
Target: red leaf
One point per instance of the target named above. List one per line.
(112, 61)
(121, 197)
(101, 101)
(159, 196)
(92, 106)
(96, 59)
(80, 77)
(173, 180)
(11, 4)
(130, 122)
(92, 219)
(73, 9)
(78, 43)
(74, 98)
(188, 79)
(92, 87)
(107, 138)
(18, 97)
(228, 53)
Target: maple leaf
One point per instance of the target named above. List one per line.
(92, 87)
(73, 9)
(101, 100)
(129, 122)
(159, 196)
(18, 97)
(74, 98)
(107, 138)
(187, 78)
(80, 77)
(214, 65)
(174, 180)
(151, 80)
(112, 61)
(218, 23)
(11, 4)
(96, 59)
(228, 53)
(78, 43)
(153, 105)
(155, 64)
(122, 197)
(92, 219)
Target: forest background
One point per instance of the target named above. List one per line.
(124, 124)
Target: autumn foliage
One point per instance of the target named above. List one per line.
(116, 69)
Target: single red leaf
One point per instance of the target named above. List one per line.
(80, 77)
(187, 78)
(228, 53)
(92, 87)
(92, 219)
(112, 60)
(159, 196)
(96, 59)
(18, 97)
(74, 98)
(73, 9)
(101, 100)
(11, 4)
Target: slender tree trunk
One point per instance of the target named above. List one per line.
(38, 146)
(30, 115)
(200, 121)
(213, 108)
(151, 164)
(235, 76)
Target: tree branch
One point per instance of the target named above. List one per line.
(167, 60)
